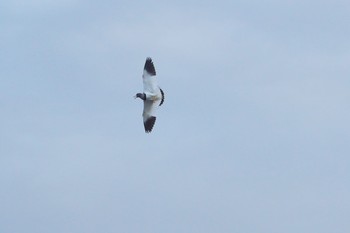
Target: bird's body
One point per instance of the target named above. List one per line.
(152, 95)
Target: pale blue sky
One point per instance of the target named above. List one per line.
(253, 136)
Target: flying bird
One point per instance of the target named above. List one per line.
(152, 95)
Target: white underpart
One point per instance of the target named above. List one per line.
(153, 95)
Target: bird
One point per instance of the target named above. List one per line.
(152, 96)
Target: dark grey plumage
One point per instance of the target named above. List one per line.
(162, 92)
(149, 124)
(149, 67)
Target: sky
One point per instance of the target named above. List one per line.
(253, 136)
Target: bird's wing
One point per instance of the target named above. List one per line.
(149, 109)
(150, 86)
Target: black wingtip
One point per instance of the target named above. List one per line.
(149, 123)
(149, 66)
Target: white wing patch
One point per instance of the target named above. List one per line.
(150, 86)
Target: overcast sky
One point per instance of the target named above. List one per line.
(253, 136)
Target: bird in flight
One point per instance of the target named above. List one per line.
(152, 95)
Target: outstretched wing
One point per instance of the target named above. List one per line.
(149, 118)
(150, 86)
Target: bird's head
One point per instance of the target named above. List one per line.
(141, 96)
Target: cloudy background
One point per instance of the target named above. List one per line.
(253, 135)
